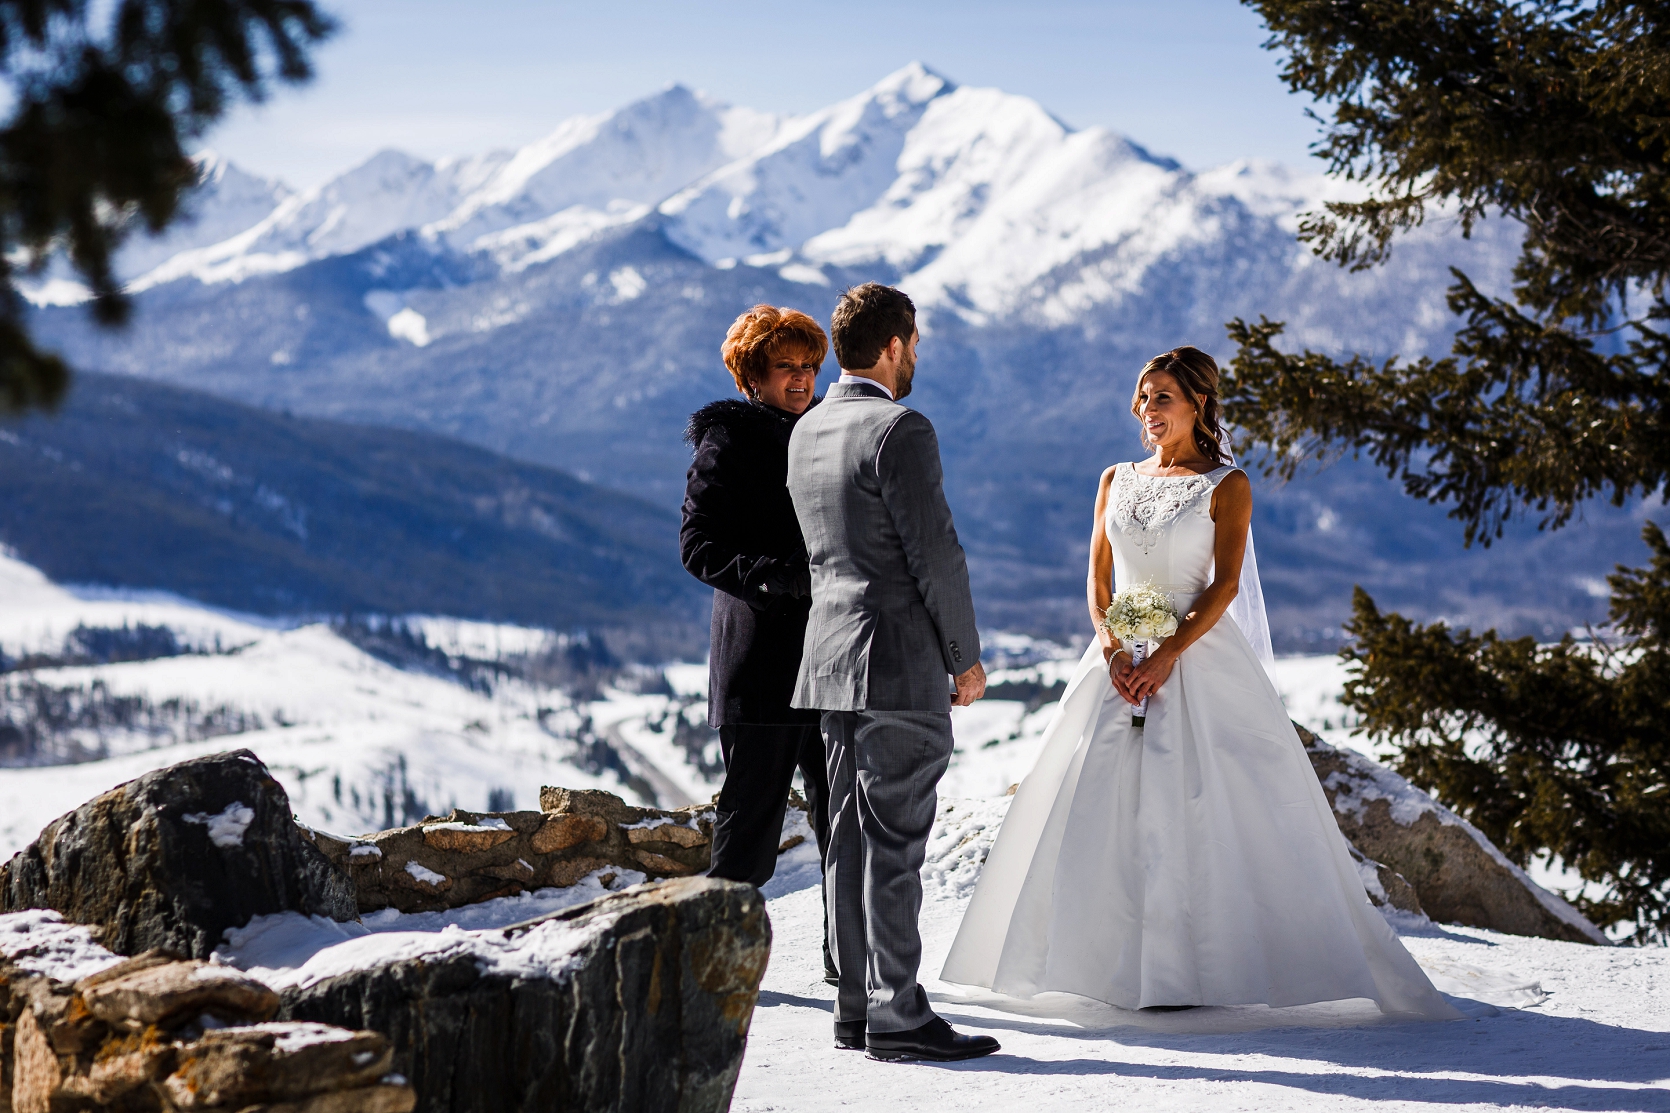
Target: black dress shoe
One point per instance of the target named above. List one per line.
(849, 1035)
(935, 1040)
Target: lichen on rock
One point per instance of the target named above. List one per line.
(158, 1034)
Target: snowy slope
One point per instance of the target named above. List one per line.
(388, 193)
(1573, 1027)
(359, 744)
(980, 201)
(227, 201)
(594, 171)
(983, 202)
(589, 173)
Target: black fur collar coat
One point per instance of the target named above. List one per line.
(741, 538)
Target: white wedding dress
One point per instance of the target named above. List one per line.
(1195, 860)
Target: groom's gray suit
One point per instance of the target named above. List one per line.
(892, 620)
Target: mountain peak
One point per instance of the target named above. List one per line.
(914, 83)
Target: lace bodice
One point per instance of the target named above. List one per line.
(1161, 528)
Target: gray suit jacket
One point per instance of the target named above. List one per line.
(892, 617)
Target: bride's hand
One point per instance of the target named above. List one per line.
(1144, 680)
(1119, 671)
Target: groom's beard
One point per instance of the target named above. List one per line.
(907, 372)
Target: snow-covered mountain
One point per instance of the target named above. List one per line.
(564, 303)
(229, 201)
(590, 173)
(978, 201)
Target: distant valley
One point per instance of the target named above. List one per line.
(144, 485)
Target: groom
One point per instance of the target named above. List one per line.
(891, 620)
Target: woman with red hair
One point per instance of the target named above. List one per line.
(741, 538)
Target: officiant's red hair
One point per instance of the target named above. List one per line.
(1197, 374)
(764, 333)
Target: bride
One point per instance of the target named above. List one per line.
(1191, 860)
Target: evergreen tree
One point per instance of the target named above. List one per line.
(95, 145)
(1556, 115)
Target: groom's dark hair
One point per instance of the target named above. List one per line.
(865, 320)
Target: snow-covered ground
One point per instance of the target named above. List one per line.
(1599, 1039)
(1560, 1025)
(1550, 1025)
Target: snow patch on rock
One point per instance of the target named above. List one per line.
(488, 823)
(291, 950)
(226, 828)
(38, 941)
(424, 874)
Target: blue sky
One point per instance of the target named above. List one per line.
(1185, 77)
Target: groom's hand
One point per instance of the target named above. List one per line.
(971, 685)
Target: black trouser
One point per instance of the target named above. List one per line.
(759, 768)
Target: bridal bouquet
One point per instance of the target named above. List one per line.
(1139, 613)
(1135, 616)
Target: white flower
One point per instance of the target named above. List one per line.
(1141, 612)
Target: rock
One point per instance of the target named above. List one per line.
(466, 857)
(237, 1067)
(391, 1096)
(652, 862)
(82, 1030)
(36, 1076)
(466, 836)
(158, 993)
(668, 831)
(640, 1000)
(1458, 875)
(125, 1064)
(559, 832)
(1385, 885)
(174, 858)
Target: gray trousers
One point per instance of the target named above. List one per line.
(883, 770)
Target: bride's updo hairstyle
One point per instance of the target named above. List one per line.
(1197, 373)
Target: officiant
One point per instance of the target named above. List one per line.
(741, 538)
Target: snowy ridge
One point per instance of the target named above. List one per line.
(388, 193)
(516, 207)
(357, 742)
(980, 202)
(613, 162)
(37, 614)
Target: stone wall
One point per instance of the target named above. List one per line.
(465, 857)
(640, 1000)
